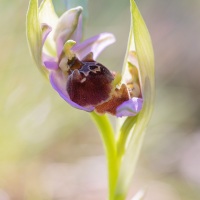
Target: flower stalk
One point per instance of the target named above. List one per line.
(108, 138)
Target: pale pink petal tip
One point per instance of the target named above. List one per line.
(130, 107)
(46, 29)
(51, 65)
(49, 62)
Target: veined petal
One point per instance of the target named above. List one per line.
(130, 107)
(77, 35)
(67, 24)
(95, 44)
(58, 82)
(34, 34)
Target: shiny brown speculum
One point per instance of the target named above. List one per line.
(89, 82)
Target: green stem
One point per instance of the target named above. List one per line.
(108, 138)
(124, 133)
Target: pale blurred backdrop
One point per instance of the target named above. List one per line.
(50, 151)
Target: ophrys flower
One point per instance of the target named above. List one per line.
(73, 70)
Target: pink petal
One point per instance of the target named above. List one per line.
(46, 29)
(58, 82)
(67, 24)
(77, 35)
(95, 44)
(51, 65)
(130, 107)
(49, 62)
(59, 47)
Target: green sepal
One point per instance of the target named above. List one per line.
(34, 35)
(140, 39)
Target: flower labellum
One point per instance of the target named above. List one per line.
(72, 67)
(90, 85)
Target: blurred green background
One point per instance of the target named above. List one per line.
(50, 151)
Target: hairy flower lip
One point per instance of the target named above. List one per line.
(91, 84)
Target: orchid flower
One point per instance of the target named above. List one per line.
(71, 66)
(74, 72)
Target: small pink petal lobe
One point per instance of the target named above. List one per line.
(130, 107)
(95, 44)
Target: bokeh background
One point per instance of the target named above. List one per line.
(50, 151)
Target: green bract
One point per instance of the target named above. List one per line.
(35, 17)
(140, 38)
(34, 34)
